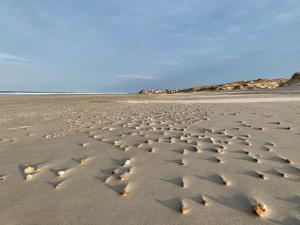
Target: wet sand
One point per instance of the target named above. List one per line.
(104, 160)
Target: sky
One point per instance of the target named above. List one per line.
(128, 45)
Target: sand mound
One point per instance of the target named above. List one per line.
(237, 85)
(294, 81)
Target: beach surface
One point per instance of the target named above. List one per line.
(163, 159)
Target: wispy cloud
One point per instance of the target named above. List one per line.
(228, 56)
(135, 77)
(13, 59)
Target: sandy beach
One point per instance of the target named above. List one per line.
(137, 159)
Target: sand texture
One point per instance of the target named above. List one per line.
(137, 160)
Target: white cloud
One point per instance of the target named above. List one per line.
(8, 58)
(135, 77)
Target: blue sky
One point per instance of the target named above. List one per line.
(127, 45)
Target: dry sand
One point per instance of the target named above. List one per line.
(103, 160)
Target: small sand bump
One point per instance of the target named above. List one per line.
(115, 171)
(257, 158)
(28, 177)
(83, 161)
(276, 123)
(123, 176)
(182, 162)
(282, 174)
(219, 149)
(84, 144)
(183, 183)
(219, 160)
(286, 160)
(270, 144)
(3, 177)
(107, 179)
(47, 136)
(124, 192)
(183, 208)
(246, 152)
(204, 201)
(29, 170)
(267, 148)
(124, 147)
(247, 143)
(261, 175)
(126, 163)
(151, 150)
(58, 185)
(197, 149)
(184, 151)
(259, 209)
(61, 173)
(225, 181)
